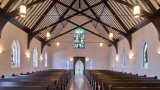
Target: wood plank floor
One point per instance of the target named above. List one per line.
(79, 82)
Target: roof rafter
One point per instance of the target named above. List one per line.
(64, 19)
(112, 42)
(97, 17)
(46, 42)
(99, 21)
(114, 13)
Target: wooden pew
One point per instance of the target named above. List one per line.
(37, 80)
(118, 81)
(25, 88)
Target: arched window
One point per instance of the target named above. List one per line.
(79, 38)
(90, 63)
(112, 60)
(124, 58)
(145, 55)
(35, 57)
(67, 64)
(15, 54)
(45, 59)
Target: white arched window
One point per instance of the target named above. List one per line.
(124, 58)
(112, 60)
(145, 55)
(35, 57)
(67, 64)
(90, 63)
(45, 59)
(15, 54)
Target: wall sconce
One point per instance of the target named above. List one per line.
(117, 58)
(71, 59)
(87, 59)
(41, 58)
(101, 44)
(28, 56)
(1, 51)
(158, 52)
(131, 56)
(57, 44)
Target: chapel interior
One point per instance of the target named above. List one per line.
(79, 44)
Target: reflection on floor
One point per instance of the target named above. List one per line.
(79, 82)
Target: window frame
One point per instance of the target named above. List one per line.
(35, 57)
(45, 59)
(15, 44)
(145, 47)
(90, 63)
(124, 59)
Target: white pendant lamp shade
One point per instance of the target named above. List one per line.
(111, 36)
(48, 35)
(136, 11)
(23, 10)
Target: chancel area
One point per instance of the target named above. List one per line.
(79, 44)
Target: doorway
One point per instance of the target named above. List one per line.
(79, 65)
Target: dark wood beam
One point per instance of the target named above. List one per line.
(150, 7)
(28, 6)
(43, 15)
(63, 15)
(46, 42)
(112, 42)
(90, 31)
(128, 37)
(97, 17)
(10, 5)
(64, 19)
(30, 35)
(114, 13)
(68, 31)
(99, 21)
(146, 14)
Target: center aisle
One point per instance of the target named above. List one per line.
(79, 82)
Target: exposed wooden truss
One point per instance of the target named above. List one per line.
(105, 15)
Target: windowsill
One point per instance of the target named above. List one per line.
(15, 67)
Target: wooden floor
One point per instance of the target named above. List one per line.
(79, 82)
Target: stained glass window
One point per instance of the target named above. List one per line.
(45, 59)
(90, 63)
(15, 54)
(79, 38)
(35, 57)
(124, 59)
(67, 64)
(145, 55)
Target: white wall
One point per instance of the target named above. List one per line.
(9, 33)
(134, 65)
(59, 55)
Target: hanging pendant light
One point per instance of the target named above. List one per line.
(48, 35)
(111, 36)
(101, 44)
(137, 11)
(23, 10)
